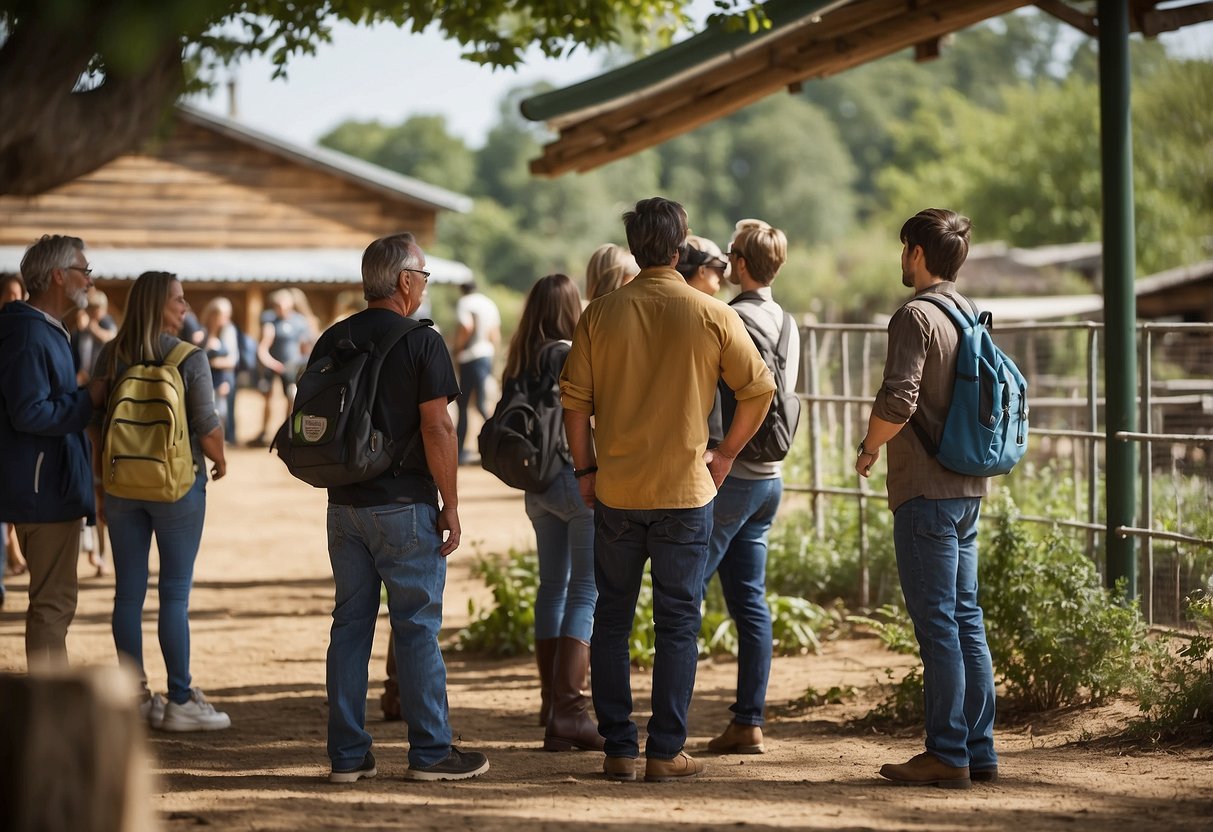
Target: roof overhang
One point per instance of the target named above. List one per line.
(386, 182)
(229, 265)
(718, 72)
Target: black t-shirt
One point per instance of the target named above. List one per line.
(418, 369)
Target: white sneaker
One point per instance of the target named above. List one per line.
(152, 710)
(195, 715)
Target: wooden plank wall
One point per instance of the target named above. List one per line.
(200, 189)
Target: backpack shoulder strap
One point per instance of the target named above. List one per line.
(383, 346)
(957, 315)
(179, 353)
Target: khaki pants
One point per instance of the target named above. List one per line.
(51, 550)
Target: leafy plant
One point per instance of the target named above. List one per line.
(892, 626)
(1057, 636)
(508, 627)
(1176, 696)
(902, 704)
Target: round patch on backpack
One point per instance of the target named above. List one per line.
(313, 427)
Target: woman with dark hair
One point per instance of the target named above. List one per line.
(155, 311)
(702, 264)
(564, 534)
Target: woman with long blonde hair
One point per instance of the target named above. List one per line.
(154, 311)
(564, 533)
(610, 267)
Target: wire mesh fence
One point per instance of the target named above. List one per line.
(1061, 481)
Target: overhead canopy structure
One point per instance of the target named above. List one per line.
(718, 72)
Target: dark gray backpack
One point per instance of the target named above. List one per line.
(330, 438)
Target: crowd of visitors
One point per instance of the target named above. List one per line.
(664, 394)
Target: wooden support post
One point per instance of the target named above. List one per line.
(72, 754)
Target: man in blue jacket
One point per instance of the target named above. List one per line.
(46, 483)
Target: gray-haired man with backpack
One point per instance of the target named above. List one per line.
(396, 527)
(935, 513)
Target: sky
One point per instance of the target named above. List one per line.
(389, 74)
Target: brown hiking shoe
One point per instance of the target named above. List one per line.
(619, 768)
(984, 775)
(926, 770)
(682, 767)
(738, 739)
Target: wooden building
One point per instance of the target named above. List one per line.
(233, 212)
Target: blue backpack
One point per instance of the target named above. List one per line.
(986, 429)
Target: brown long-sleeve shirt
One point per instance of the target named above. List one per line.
(918, 376)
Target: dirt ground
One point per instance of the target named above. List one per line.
(260, 613)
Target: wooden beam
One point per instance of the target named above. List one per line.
(927, 50)
(643, 123)
(1068, 14)
(1157, 21)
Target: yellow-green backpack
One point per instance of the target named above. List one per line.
(146, 449)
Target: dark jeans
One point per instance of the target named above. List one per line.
(472, 377)
(676, 543)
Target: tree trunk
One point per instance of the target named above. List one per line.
(50, 133)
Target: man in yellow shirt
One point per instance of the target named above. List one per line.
(644, 363)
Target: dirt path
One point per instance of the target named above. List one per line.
(261, 616)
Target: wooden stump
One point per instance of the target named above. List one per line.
(72, 755)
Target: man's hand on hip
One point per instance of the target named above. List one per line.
(719, 465)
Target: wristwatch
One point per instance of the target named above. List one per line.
(861, 450)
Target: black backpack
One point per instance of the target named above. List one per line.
(330, 438)
(523, 442)
(774, 437)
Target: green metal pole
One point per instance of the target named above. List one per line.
(1120, 312)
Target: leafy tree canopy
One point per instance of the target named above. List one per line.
(83, 81)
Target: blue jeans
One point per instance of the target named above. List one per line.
(564, 535)
(396, 545)
(936, 543)
(472, 378)
(178, 530)
(676, 541)
(743, 513)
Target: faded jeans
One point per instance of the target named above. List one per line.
(564, 537)
(742, 516)
(396, 546)
(936, 543)
(178, 530)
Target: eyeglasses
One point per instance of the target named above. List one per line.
(424, 274)
(735, 252)
(85, 271)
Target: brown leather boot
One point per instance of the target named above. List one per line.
(570, 725)
(926, 769)
(390, 700)
(739, 739)
(545, 657)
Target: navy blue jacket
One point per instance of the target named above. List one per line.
(46, 473)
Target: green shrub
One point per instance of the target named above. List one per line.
(1176, 695)
(828, 569)
(508, 627)
(1057, 636)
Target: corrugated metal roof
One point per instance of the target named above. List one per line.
(283, 265)
(364, 173)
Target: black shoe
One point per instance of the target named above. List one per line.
(458, 765)
(353, 775)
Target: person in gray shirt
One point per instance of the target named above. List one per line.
(155, 309)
